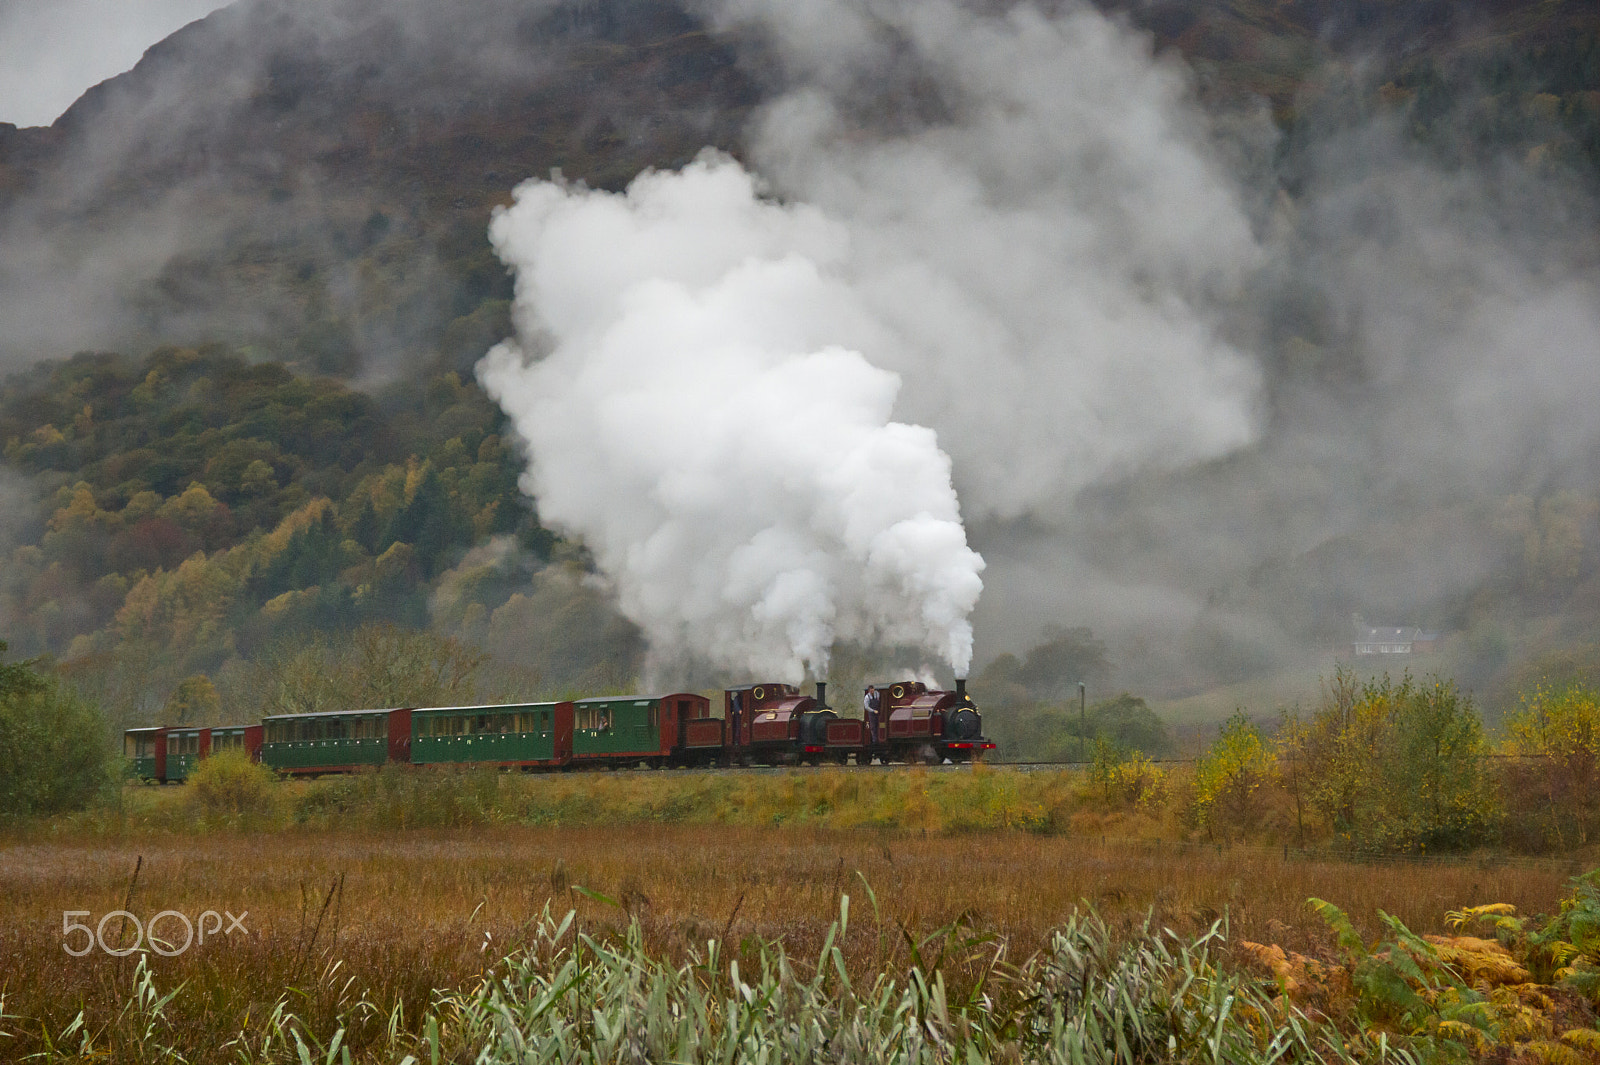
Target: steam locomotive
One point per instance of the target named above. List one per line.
(759, 724)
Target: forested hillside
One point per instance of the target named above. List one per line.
(197, 510)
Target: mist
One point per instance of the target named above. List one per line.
(1209, 404)
(50, 53)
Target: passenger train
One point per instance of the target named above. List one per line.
(757, 724)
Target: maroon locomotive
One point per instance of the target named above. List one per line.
(776, 724)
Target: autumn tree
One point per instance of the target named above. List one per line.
(1392, 765)
(1558, 733)
(55, 751)
(1230, 778)
(193, 701)
(376, 666)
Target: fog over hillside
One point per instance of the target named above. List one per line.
(1228, 333)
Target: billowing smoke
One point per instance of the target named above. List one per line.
(1048, 237)
(1030, 259)
(707, 420)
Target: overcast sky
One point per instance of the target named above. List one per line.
(52, 50)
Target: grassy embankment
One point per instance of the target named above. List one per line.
(358, 918)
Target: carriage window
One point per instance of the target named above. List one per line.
(654, 716)
(594, 717)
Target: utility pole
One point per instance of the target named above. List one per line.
(1083, 718)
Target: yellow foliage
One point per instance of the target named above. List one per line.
(415, 473)
(47, 434)
(1481, 962)
(276, 608)
(1457, 918)
(1548, 1053)
(78, 511)
(1229, 776)
(191, 507)
(305, 516)
(1584, 1039)
(187, 606)
(142, 505)
(1560, 731)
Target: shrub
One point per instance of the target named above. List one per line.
(1229, 777)
(1393, 766)
(1559, 732)
(229, 783)
(55, 750)
(1127, 779)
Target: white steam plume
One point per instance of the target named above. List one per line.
(1008, 227)
(1052, 255)
(705, 419)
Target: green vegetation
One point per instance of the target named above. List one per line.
(55, 753)
(1393, 765)
(1031, 705)
(230, 786)
(1558, 732)
(203, 513)
(577, 996)
(1228, 779)
(1519, 995)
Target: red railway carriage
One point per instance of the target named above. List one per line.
(241, 737)
(700, 737)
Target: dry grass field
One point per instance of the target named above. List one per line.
(391, 917)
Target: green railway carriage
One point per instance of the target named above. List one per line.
(631, 729)
(336, 741)
(146, 752)
(185, 748)
(519, 734)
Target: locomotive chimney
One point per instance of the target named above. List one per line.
(961, 689)
(822, 695)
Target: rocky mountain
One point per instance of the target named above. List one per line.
(313, 182)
